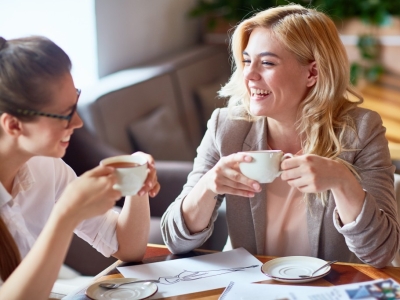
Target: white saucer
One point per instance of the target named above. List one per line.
(133, 291)
(288, 269)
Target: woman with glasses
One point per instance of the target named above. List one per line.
(41, 201)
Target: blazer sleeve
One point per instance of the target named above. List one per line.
(374, 235)
(174, 231)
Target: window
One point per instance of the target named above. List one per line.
(69, 23)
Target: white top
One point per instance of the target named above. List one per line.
(37, 187)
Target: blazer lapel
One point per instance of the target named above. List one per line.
(315, 215)
(256, 140)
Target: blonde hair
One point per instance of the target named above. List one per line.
(311, 36)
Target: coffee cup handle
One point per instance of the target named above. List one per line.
(286, 155)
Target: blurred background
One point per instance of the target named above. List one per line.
(102, 36)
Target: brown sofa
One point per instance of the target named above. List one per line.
(159, 108)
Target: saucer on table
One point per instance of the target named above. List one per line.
(134, 291)
(288, 269)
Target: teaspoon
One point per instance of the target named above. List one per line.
(109, 285)
(325, 265)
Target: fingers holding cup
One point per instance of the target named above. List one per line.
(151, 184)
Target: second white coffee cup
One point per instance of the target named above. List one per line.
(265, 166)
(131, 172)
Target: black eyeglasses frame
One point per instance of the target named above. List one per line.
(30, 112)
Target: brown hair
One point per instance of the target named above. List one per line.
(311, 36)
(9, 253)
(27, 67)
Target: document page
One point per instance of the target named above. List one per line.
(200, 273)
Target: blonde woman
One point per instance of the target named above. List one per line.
(42, 203)
(289, 91)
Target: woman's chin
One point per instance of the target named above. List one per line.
(60, 153)
(256, 112)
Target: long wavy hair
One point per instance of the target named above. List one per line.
(310, 35)
(27, 67)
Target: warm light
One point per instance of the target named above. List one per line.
(69, 23)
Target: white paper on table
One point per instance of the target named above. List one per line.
(200, 273)
(254, 291)
(375, 289)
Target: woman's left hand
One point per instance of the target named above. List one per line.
(311, 173)
(151, 184)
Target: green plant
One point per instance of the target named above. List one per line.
(230, 10)
(375, 13)
(369, 67)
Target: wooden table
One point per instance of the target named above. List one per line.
(341, 273)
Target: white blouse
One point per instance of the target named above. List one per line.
(37, 187)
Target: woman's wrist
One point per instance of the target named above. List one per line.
(348, 194)
(65, 216)
(345, 179)
(205, 192)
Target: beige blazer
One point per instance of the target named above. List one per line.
(373, 238)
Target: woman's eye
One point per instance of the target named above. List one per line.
(246, 61)
(268, 63)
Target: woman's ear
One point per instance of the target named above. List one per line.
(10, 124)
(312, 74)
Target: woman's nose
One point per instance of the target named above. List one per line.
(76, 121)
(250, 73)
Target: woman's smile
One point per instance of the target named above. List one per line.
(65, 141)
(276, 80)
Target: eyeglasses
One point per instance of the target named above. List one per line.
(68, 118)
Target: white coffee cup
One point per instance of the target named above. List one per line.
(131, 172)
(265, 166)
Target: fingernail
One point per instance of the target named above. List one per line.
(141, 193)
(256, 186)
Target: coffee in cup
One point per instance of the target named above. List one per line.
(123, 165)
(265, 165)
(131, 172)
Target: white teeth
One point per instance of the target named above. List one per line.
(260, 92)
(66, 139)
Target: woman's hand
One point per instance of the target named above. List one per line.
(89, 195)
(151, 184)
(225, 177)
(312, 173)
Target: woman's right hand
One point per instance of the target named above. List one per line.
(225, 177)
(89, 195)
